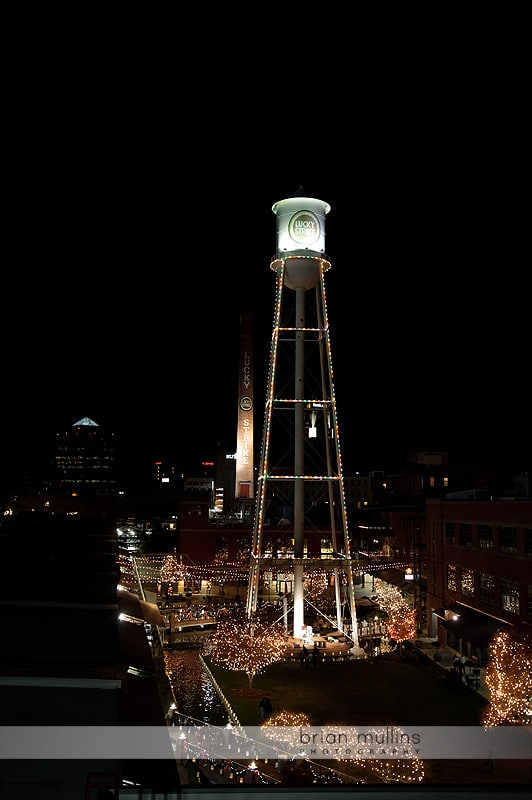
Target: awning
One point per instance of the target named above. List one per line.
(470, 625)
(446, 612)
(133, 647)
(151, 614)
(133, 606)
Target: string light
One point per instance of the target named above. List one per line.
(173, 569)
(401, 619)
(246, 644)
(409, 769)
(508, 678)
(290, 721)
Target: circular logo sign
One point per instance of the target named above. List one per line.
(246, 403)
(304, 227)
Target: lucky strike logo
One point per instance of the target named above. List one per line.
(304, 227)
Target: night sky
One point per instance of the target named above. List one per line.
(130, 259)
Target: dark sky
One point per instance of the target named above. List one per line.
(130, 254)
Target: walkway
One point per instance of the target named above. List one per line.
(442, 656)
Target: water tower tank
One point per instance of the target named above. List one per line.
(300, 239)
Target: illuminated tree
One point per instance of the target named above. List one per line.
(246, 644)
(409, 769)
(173, 570)
(284, 727)
(401, 621)
(402, 625)
(316, 584)
(508, 678)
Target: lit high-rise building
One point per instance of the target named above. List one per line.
(85, 459)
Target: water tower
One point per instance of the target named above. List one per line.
(300, 482)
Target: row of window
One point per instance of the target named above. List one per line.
(488, 537)
(464, 581)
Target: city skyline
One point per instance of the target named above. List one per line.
(429, 350)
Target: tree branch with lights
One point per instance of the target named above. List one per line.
(247, 644)
(172, 569)
(508, 677)
(401, 619)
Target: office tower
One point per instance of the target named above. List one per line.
(85, 459)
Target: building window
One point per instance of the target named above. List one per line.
(221, 553)
(485, 537)
(243, 549)
(326, 548)
(452, 584)
(466, 534)
(508, 540)
(486, 589)
(268, 548)
(432, 482)
(510, 596)
(528, 542)
(450, 537)
(284, 547)
(467, 582)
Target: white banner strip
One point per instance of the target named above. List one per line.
(314, 743)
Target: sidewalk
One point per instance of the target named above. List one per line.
(442, 657)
